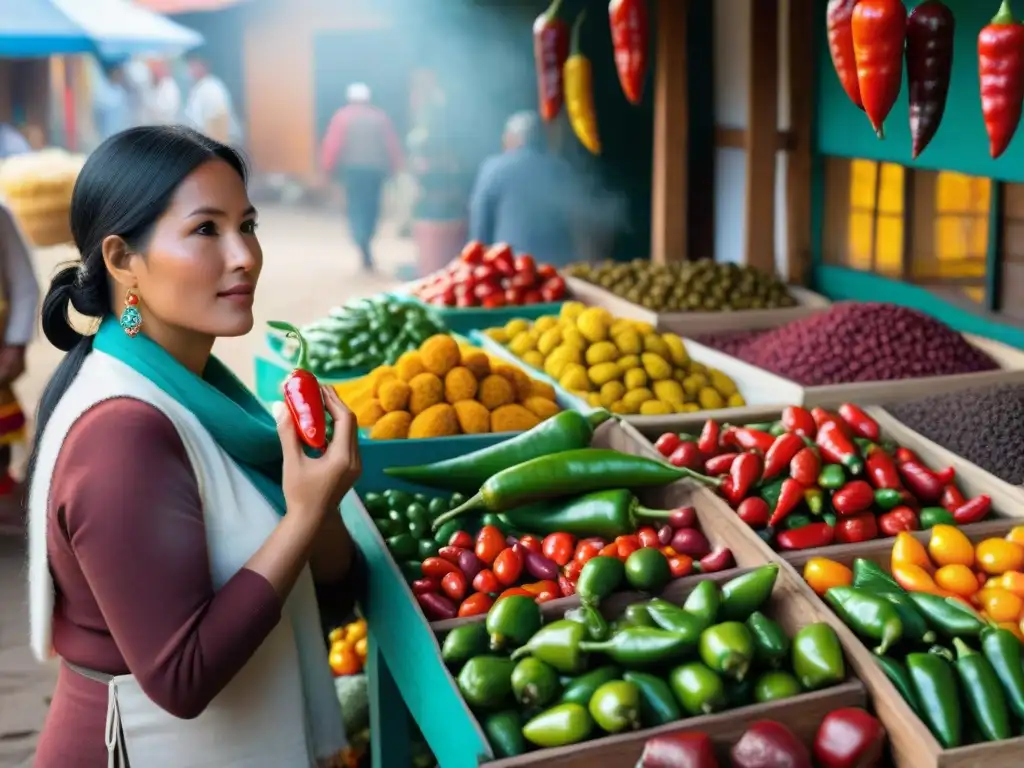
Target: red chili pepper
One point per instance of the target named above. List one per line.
(558, 547)
(302, 394)
(489, 542)
(822, 417)
(856, 496)
(486, 581)
(717, 560)
(754, 511)
(472, 252)
(806, 537)
(748, 439)
(847, 738)
(790, 495)
(836, 447)
(454, 585)
(680, 566)
(532, 543)
(687, 455)
(508, 566)
(572, 570)
(860, 527)
(840, 45)
(610, 550)
(778, 457)
(1001, 70)
(451, 554)
(462, 540)
(630, 32)
(952, 499)
(921, 481)
(514, 591)
(720, 464)
(745, 471)
(929, 67)
(799, 421)
(540, 586)
(667, 443)
(905, 454)
(897, 520)
(565, 586)
(710, 437)
(422, 586)
(586, 550)
(679, 749)
(858, 421)
(550, 50)
(647, 537)
(882, 469)
(436, 568)
(973, 511)
(805, 466)
(879, 30)
(437, 607)
(476, 604)
(945, 475)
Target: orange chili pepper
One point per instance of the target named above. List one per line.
(680, 566)
(587, 549)
(996, 556)
(648, 537)
(821, 574)
(476, 604)
(906, 550)
(1012, 581)
(626, 547)
(538, 587)
(1016, 535)
(612, 550)
(513, 591)
(914, 578)
(949, 546)
(1001, 605)
(958, 579)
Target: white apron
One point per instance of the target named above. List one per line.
(281, 709)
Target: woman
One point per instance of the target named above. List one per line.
(170, 523)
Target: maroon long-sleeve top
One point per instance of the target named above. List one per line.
(127, 548)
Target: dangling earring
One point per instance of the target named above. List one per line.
(131, 319)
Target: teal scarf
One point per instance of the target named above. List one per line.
(229, 412)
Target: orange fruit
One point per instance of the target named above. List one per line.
(958, 579)
(1001, 605)
(1011, 581)
(997, 556)
(906, 550)
(821, 574)
(1016, 535)
(949, 546)
(344, 661)
(336, 636)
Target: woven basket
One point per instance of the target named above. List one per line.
(45, 228)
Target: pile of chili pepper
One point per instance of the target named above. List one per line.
(931, 642)
(845, 738)
(815, 478)
(550, 685)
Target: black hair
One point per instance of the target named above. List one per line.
(124, 187)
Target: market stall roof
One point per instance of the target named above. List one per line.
(187, 6)
(111, 28)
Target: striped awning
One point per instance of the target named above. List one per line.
(186, 6)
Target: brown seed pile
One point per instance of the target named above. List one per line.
(859, 341)
(983, 425)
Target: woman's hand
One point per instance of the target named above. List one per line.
(315, 486)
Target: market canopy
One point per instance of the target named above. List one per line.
(110, 28)
(187, 6)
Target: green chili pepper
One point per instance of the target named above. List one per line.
(914, 625)
(512, 621)
(504, 733)
(411, 569)
(403, 546)
(534, 683)
(888, 498)
(565, 431)
(728, 649)
(771, 643)
(796, 520)
(657, 703)
(615, 706)
(777, 428)
(578, 690)
(943, 652)
(637, 615)
(486, 681)
(1002, 649)
(832, 477)
(427, 548)
(771, 491)
(864, 445)
(983, 692)
(870, 576)
(815, 501)
(569, 473)
(558, 644)
(772, 686)
(932, 516)
(869, 616)
(559, 726)
(672, 618)
(496, 520)
(747, 593)
(591, 618)
(463, 643)
(818, 657)
(639, 646)
(761, 426)
(829, 519)
(704, 602)
(949, 617)
(444, 534)
(600, 577)
(900, 678)
(935, 685)
(698, 689)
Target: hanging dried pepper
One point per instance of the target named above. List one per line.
(630, 41)
(879, 30)
(1001, 69)
(550, 50)
(840, 45)
(929, 66)
(579, 92)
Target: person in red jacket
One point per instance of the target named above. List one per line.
(361, 149)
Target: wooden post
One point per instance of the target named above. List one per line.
(762, 133)
(802, 37)
(671, 137)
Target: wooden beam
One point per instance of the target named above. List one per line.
(800, 73)
(730, 137)
(671, 138)
(762, 134)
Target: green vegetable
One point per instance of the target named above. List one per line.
(932, 516)
(600, 577)
(647, 570)
(948, 616)
(935, 685)
(463, 643)
(578, 690)
(869, 616)
(747, 593)
(900, 678)
(504, 733)
(559, 726)
(657, 703)
(512, 621)
(771, 643)
(675, 619)
(637, 615)
(704, 602)
(983, 691)
(534, 683)
(640, 646)
(772, 686)
(915, 627)
(888, 498)
(728, 649)
(698, 689)
(615, 706)
(403, 546)
(444, 534)
(486, 681)
(869, 575)
(1002, 649)
(591, 618)
(558, 644)
(818, 657)
(832, 477)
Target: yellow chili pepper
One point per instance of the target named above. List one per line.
(821, 574)
(578, 81)
(907, 550)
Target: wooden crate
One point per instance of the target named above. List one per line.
(686, 323)
(912, 743)
(789, 606)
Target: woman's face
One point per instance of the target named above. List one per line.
(202, 261)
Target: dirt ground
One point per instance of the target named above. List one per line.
(309, 266)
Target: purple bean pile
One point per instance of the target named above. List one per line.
(981, 424)
(854, 342)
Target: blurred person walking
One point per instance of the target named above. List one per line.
(164, 103)
(209, 108)
(361, 149)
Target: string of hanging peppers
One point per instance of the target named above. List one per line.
(579, 92)
(869, 40)
(630, 34)
(550, 50)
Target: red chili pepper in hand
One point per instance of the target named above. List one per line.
(882, 469)
(859, 527)
(840, 45)
(748, 439)
(973, 511)
(303, 395)
(858, 421)
(805, 467)
(921, 481)
(720, 464)
(879, 30)
(630, 41)
(856, 496)
(559, 547)
(806, 537)
(550, 50)
(744, 472)
(790, 495)
(952, 498)
(710, 437)
(929, 67)
(486, 581)
(897, 520)
(836, 447)
(754, 511)
(778, 457)
(1001, 70)
(508, 566)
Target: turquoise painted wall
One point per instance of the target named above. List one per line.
(960, 144)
